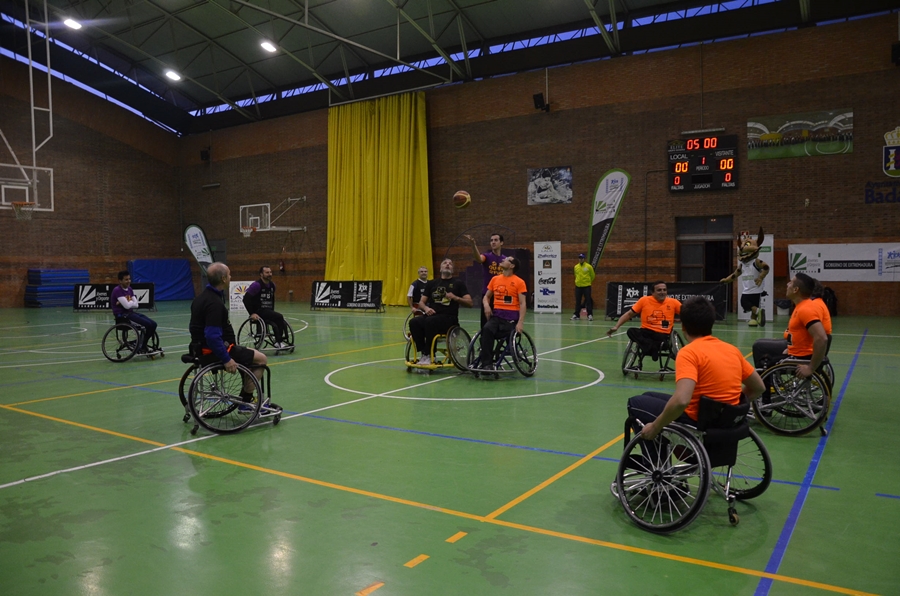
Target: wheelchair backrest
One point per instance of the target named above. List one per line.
(716, 414)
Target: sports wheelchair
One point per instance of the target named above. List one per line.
(410, 317)
(663, 484)
(213, 397)
(515, 352)
(260, 335)
(447, 350)
(121, 341)
(791, 405)
(633, 359)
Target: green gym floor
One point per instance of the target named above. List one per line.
(380, 481)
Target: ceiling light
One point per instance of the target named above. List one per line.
(173, 75)
(72, 23)
(268, 46)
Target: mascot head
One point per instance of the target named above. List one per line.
(748, 247)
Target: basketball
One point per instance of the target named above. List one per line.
(461, 199)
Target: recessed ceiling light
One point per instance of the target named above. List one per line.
(72, 23)
(173, 75)
(268, 46)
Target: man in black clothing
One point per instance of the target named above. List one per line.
(259, 300)
(440, 302)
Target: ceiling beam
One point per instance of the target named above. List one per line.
(613, 47)
(450, 62)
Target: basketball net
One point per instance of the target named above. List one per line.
(23, 210)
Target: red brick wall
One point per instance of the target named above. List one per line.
(483, 136)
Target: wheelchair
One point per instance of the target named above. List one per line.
(214, 401)
(121, 341)
(790, 405)
(663, 484)
(410, 317)
(633, 359)
(259, 334)
(447, 351)
(513, 353)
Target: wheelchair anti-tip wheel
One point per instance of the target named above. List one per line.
(215, 401)
(120, 342)
(663, 484)
(751, 473)
(525, 355)
(791, 405)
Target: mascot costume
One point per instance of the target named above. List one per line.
(751, 271)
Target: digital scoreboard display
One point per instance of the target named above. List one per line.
(703, 163)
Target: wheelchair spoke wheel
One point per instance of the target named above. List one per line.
(409, 317)
(458, 346)
(752, 470)
(185, 384)
(120, 342)
(525, 355)
(630, 362)
(411, 353)
(252, 334)
(215, 399)
(663, 484)
(289, 335)
(791, 405)
(153, 343)
(473, 356)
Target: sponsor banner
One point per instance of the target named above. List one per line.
(96, 296)
(890, 154)
(236, 291)
(199, 247)
(346, 294)
(548, 277)
(608, 197)
(879, 193)
(846, 262)
(767, 256)
(620, 296)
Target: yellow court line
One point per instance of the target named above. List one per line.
(85, 426)
(456, 537)
(552, 479)
(415, 561)
(370, 589)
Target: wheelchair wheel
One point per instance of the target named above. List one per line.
(663, 484)
(791, 405)
(120, 342)
(289, 336)
(631, 359)
(752, 470)
(252, 334)
(215, 401)
(409, 317)
(411, 353)
(458, 346)
(153, 344)
(525, 356)
(828, 373)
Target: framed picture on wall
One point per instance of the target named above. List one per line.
(549, 185)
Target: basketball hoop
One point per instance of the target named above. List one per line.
(246, 231)
(23, 209)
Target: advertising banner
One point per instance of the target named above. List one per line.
(87, 297)
(547, 277)
(236, 291)
(620, 296)
(767, 256)
(846, 262)
(347, 294)
(608, 197)
(199, 247)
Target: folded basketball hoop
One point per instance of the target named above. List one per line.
(23, 209)
(246, 231)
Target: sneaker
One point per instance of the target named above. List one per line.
(425, 360)
(752, 322)
(590, 317)
(574, 317)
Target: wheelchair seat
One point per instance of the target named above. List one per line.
(663, 484)
(667, 350)
(516, 352)
(448, 350)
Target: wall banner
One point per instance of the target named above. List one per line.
(357, 295)
(199, 247)
(622, 295)
(548, 277)
(846, 262)
(236, 290)
(87, 297)
(608, 197)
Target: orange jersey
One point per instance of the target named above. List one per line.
(506, 291)
(657, 316)
(824, 315)
(717, 368)
(800, 342)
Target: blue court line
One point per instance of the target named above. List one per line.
(765, 584)
(887, 495)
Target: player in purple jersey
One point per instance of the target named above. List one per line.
(259, 300)
(490, 263)
(125, 305)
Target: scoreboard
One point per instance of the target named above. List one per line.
(703, 163)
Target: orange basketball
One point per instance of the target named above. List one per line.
(461, 199)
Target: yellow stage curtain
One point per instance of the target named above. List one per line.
(378, 219)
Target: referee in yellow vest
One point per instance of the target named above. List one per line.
(584, 277)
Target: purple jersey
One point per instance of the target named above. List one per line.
(490, 268)
(118, 292)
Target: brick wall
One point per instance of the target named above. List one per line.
(120, 179)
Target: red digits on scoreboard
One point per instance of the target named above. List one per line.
(727, 176)
(693, 144)
(710, 142)
(726, 164)
(677, 180)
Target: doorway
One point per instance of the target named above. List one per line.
(704, 248)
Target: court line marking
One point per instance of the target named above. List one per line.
(784, 539)
(415, 561)
(456, 537)
(600, 377)
(369, 589)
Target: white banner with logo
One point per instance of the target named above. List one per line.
(548, 277)
(608, 197)
(196, 241)
(846, 262)
(236, 291)
(767, 256)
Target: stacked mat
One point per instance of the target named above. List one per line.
(53, 287)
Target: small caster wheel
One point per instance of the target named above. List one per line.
(662, 377)
(276, 419)
(186, 418)
(195, 429)
(733, 518)
(636, 376)
(162, 354)
(824, 431)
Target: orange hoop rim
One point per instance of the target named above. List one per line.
(247, 230)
